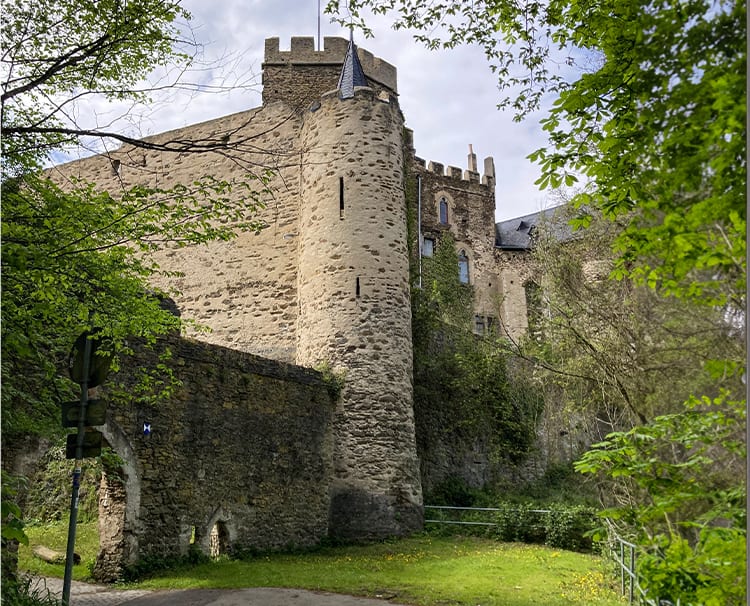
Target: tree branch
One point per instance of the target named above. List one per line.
(63, 62)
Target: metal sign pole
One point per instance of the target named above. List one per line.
(70, 551)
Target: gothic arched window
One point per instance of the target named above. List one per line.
(463, 267)
(443, 207)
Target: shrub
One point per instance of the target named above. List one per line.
(570, 527)
(564, 526)
(682, 499)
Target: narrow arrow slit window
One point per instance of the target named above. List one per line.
(341, 197)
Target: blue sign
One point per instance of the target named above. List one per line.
(147, 429)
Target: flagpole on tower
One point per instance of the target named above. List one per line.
(319, 26)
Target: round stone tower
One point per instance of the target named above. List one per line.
(354, 305)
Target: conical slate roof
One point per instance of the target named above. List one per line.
(352, 73)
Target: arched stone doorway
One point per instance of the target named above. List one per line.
(218, 540)
(119, 502)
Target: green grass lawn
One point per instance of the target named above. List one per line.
(425, 570)
(55, 536)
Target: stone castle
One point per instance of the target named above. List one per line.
(327, 282)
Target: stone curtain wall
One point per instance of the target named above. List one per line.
(245, 443)
(243, 290)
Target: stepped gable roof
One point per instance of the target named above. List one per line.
(518, 233)
(352, 73)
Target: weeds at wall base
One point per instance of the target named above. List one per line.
(150, 565)
(25, 591)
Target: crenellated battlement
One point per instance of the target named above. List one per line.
(303, 53)
(470, 175)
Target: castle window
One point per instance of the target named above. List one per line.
(341, 197)
(490, 325)
(463, 267)
(356, 287)
(534, 309)
(428, 247)
(479, 325)
(443, 209)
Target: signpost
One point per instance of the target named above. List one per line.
(96, 413)
(92, 445)
(88, 371)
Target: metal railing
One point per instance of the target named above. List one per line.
(627, 568)
(509, 523)
(625, 555)
(493, 509)
(622, 552)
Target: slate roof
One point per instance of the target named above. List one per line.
(517, 233)
(352, 73)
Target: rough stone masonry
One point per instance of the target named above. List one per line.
(326, 284)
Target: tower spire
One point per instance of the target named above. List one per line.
(352, 73)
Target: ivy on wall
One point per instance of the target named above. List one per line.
(445, 299)
(463, 394)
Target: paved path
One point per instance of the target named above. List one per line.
(84, 594)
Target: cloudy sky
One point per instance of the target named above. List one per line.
(449, 98)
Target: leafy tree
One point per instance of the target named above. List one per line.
(70, 263)
(660, 127)
(627, 355)
(82, 74)
(617, 349)
(678, 496)
(76, 258)
(649, 111)
(59, 53)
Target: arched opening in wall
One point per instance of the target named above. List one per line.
(106, 493)
(218, 540)
(113, 501)
(119, 505)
